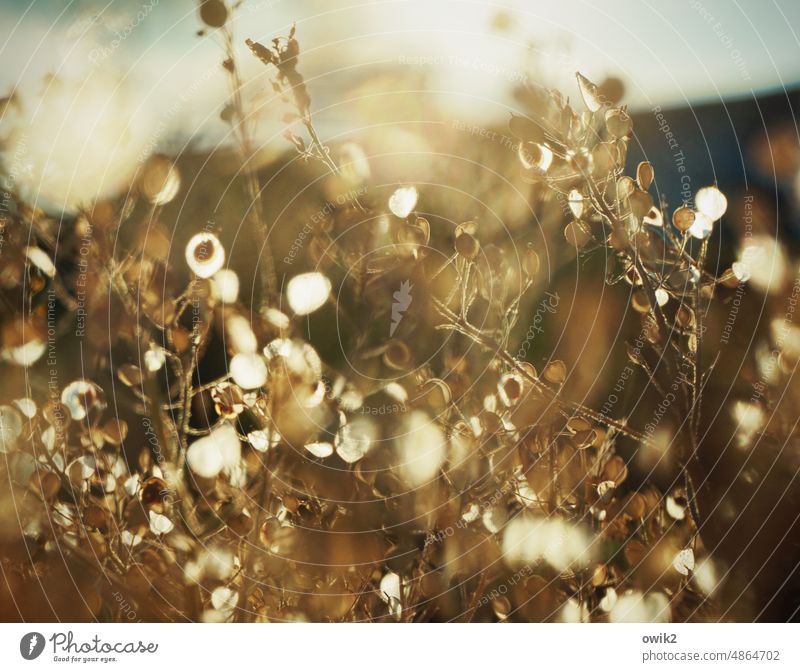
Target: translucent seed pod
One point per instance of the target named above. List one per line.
(205, 254)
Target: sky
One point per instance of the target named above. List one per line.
(669, 51)
(468, 54)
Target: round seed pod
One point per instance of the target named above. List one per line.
(615, 470)
(619, 240)
(467, 245)
(555, 372)
(417, 234)
(137, 579)
(529, 369)
(510, 388)
(641, 202)
(604, 158)
(618, 122)
(600, 575)
(534, 156)
(213, 13)
(437, 393)
(625, 187)
(94, 516)
(159, 180)
(49, 486)
(577, 424)
(576, 235)
(683, 218)
(397, 355)
(491, 422)
(154, 494)
(684, 317)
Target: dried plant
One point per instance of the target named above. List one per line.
(239, 474)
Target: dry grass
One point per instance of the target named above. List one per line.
(365, 435)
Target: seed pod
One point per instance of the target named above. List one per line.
(579, 160)
(654, 217)
(641, 302)
(365, 472)
(415, 235)
(600, 575)
(578, 424)
(632, 276)
(467, 245)
(114, 431)
(154, 494)
(604, 158)
(510, 388)
(576, 234)
(584, 439)
(437, 393)
(576, 203)
(402, 201)
(636, 553)
(240, 524)
(683, 218)
(501, 606)
(605, 490)
(213, 13)
(731, 277)
(625, 187)
(531, 155)
(424, 226)
(49, 485)
(204, 254)
(491, 422)
(397, 355)
(612, 90)
(644, 175)
(589, 93)
(555, 372)
(56, 413)
(711, 202)
(618, 122)
(159, 180)
(650, 329)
